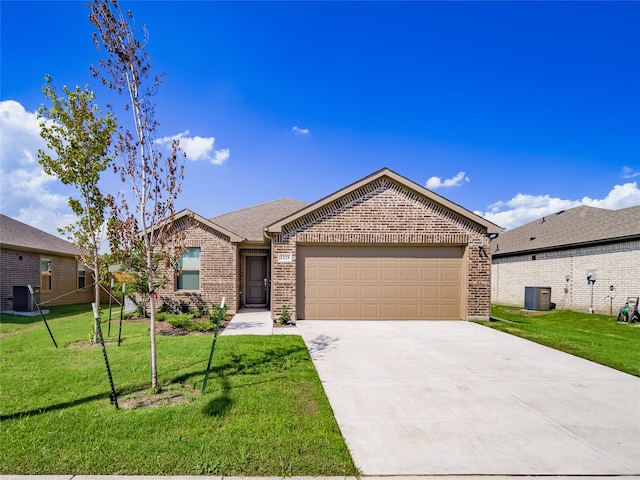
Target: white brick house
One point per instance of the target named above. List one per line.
(381, 248)
(559, 250)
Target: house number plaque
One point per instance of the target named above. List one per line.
(285, 258)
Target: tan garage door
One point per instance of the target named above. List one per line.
(379, 283)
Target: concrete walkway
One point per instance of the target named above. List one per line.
(457, 398)
(256, 322)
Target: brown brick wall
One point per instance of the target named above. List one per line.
(384, 212)
(19, 267)
(218, 271)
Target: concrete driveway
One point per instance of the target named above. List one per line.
(454, 398)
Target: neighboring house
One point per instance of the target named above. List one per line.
(381, 248)
(49, 264)
(560, 250)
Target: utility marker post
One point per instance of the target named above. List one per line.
(33, 299)
(113, 397)
(110, 297)
(121, 314)
(213, 345)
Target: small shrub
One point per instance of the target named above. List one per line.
(187, 321)
(184, 307)
(182, 320)
(166, 307)
(215, 311)
(141, 311)
(285, 316)
(201, 310)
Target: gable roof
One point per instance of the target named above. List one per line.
(18, 235)
(233, 237)
(250, 222)
(276, 227)
(571, 228)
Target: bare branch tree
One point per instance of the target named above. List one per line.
(155, 180)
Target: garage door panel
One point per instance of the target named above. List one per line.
(409, 274)
(328, 273)
(410, 311)
(329, 293)
(328, 310)
(349, 274)
(390, 310)
(380, 282)
(450, 312)
(348, 310)
(370, 274)
(430, 273)
(369, 292)
(389, 273)
(450, 293)
(430, 292)
(409, 293)
(349, 293)
(451, 274)
(370, 311)
(390, 293)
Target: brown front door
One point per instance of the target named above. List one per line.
(256, 287)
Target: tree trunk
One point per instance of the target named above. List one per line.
(152, 322)
(96, 278)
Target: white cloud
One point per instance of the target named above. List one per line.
(27, 193)
(525, 208)
(627, 172)
(221, 156)
(456, 181)
(197, 148)
(300, 131)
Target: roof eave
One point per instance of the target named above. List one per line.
(39, 250)
(567, 246)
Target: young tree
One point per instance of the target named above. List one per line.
(155, 180)
(74, 128)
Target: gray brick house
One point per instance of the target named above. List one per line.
(29, 256)
(383, 247)
(560, 250)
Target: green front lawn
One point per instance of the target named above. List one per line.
(595, 337)
(264, 412)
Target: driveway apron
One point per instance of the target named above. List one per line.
(458, 398)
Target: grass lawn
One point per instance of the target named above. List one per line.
(264, 412)
(595, 337)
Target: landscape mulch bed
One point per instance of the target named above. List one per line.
(165, 328)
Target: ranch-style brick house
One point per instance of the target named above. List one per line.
(560, 250)
(29, 256)
(383, 247)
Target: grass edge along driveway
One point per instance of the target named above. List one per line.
(598, 338)
(264, 412)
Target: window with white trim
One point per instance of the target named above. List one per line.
(189, 273)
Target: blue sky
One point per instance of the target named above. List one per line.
(512, 110)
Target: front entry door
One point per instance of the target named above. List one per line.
(256, 287)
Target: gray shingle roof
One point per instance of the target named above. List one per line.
(250, 222)
(15, 234)
(575, 227)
